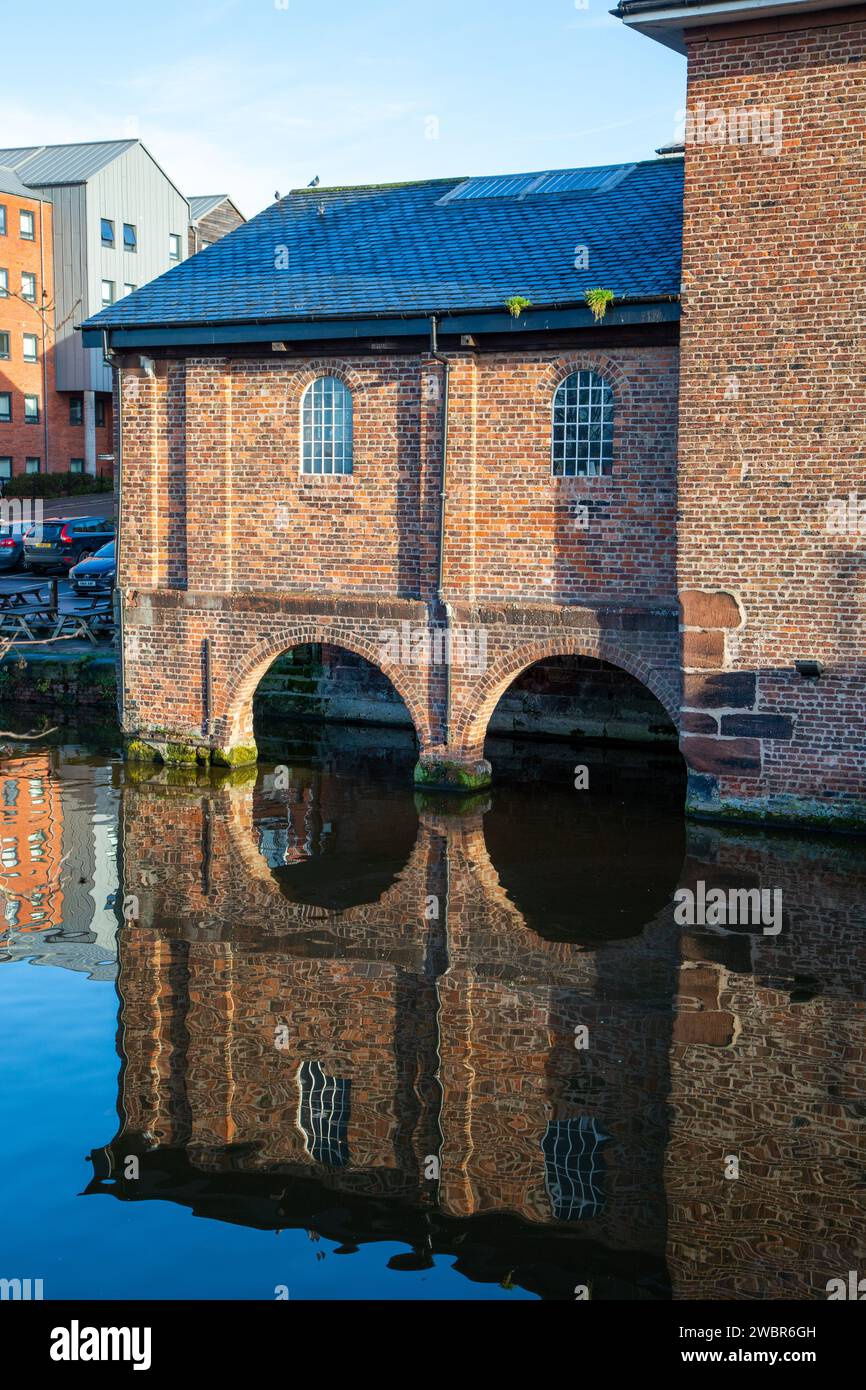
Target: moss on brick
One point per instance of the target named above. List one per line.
(445, 774)
(179, 754)
(137, 751)
(242, 755)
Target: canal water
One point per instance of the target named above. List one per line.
(297, 1032)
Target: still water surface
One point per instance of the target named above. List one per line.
(306, 1029)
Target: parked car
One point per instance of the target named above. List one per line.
(96, 575)
(61, 542)
(12, 544)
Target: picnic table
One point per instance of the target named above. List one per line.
(30, 594)
(35, 608)
(24, 610)
(92, 620)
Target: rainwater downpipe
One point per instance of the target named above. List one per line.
(443, 481)
(108, 357)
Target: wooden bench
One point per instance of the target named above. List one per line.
(92, 621)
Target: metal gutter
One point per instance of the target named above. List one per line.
(636, 311)
(666, 20)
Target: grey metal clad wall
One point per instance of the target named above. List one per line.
(131, 189)
(70, 276)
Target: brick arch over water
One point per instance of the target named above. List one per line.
(473, 713)
(233, 715)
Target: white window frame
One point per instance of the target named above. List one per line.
(34, 339)
(581, 430)
(326, 429)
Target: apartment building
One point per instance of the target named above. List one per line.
(82, 226)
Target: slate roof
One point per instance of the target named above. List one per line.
(57, 164)
(444, 245)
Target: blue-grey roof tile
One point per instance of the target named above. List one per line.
(415, 249)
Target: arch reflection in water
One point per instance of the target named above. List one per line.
(463, 1118)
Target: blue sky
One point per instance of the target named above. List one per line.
(252, 96)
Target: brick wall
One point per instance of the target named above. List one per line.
(231, 542)
(773, 423)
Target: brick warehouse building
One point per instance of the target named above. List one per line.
(295, 403)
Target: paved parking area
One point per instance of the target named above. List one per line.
(100, 505)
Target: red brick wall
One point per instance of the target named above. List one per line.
(773, 419)
(18, 317)
(527, 541)
(229, 541)
(53, 440)
(512, 530)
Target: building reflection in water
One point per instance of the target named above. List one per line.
(58, 861)
(345, 1011)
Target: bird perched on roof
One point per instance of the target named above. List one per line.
(277, 196)
(314, 183)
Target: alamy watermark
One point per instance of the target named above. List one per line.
(846, 516)
(464, 647)
(729, 907)
(22, 514)
(732, 125)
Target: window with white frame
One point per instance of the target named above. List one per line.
(28, 286)
(26, 225)
(31, 347)
(173, 247)
(582, 442)
(108, 293)
(326, 427)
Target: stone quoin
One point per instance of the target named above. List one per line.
(684, 539)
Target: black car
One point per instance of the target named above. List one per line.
(61, 542)
(96, 575)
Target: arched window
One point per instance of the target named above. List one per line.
(582, 443)
(326, 427)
